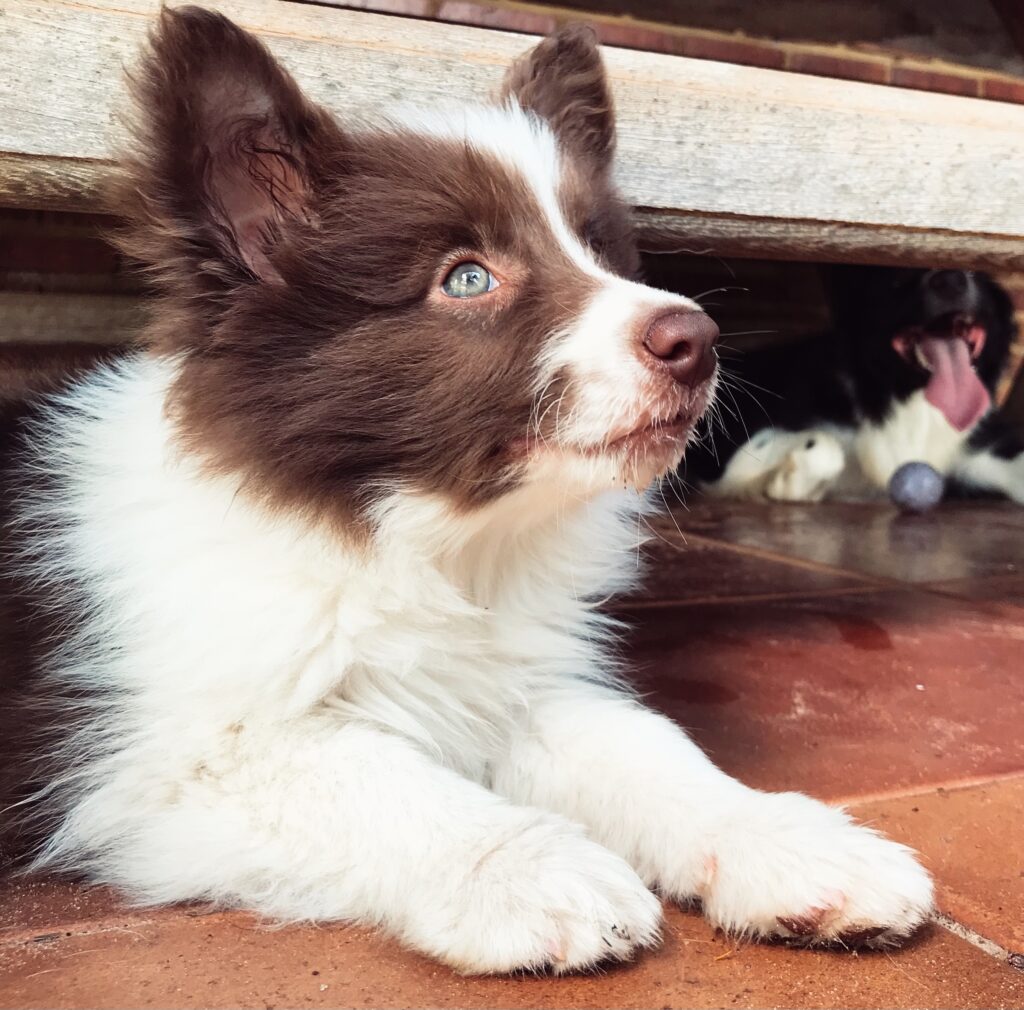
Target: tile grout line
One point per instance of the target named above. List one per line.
(766, 554)
(909, 792)
(870, 582)
(975, 939)
(937, 590)
(45, 935)
(126, 921)
(801, 594)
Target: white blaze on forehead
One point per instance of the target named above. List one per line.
(525, 144)
(520, 141)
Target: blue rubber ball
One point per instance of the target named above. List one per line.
(916, 487)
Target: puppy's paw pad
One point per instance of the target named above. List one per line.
(796, 869)
(817, 918)
(867, 937)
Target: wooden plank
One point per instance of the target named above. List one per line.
(737, 159)
(46, 182)
(825, 241)
(28, 316)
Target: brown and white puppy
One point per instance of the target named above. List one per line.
(320, 567)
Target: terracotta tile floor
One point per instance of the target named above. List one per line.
(846, 651)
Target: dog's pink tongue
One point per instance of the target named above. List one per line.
(955, 388)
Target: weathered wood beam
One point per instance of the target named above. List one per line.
(732, 159)
(52, 317)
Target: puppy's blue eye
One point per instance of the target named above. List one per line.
(468, 280)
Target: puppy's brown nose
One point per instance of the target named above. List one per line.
(684, 341)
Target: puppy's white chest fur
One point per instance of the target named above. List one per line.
(217, 613)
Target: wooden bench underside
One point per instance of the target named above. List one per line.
(729, 159)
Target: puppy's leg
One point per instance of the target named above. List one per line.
(763, 864)
(808, 470)
(984, 471)
(783, 466)
(325, 822)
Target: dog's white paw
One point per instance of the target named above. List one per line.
(789, 866)
(808, 471)
(547, 898)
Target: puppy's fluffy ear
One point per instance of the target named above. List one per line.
(229, 155)
(562, 79)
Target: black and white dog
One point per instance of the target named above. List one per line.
(906, 375)
(301, 603)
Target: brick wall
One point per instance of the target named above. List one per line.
(876, 62)
(977, 33)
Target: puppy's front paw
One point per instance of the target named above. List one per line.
(807, 471)
(790, 866)
(547, 897)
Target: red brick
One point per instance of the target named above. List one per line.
(750, 54)
(700, 47)
(632, 36)
(408, 8)
(934, 80)
(850, 69)
(1001, 90)
(485, 16)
